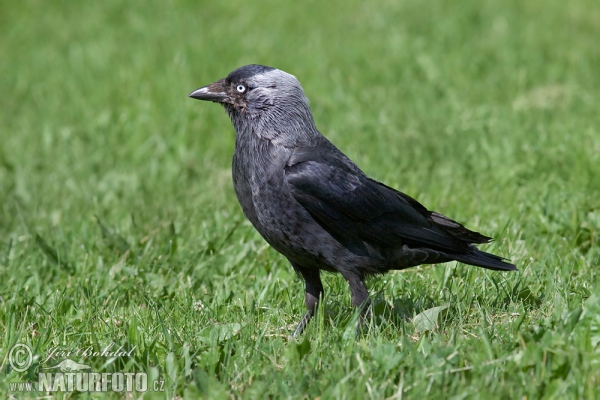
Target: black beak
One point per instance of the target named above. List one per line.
(216, 92)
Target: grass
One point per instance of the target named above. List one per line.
(119, 225)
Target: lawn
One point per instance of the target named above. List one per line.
(119, 227)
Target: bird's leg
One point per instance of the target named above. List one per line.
(360, 296)
(314, 291)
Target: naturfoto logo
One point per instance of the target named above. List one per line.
(67, 375)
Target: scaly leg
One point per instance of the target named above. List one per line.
(314, 291)
(360, 296)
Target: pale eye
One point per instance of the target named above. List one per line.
(241, 88)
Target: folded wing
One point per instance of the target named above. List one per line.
(354, 207)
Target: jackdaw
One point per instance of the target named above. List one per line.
(312, 204)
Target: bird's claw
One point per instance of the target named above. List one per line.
(302, 324)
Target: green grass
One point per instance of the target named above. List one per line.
(119, 225)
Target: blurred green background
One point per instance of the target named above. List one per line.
(118, 222)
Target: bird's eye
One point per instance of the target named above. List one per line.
(241, 88)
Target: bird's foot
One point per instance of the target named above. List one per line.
(302, 324)
(364, 322)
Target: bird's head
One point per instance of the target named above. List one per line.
(264, 99)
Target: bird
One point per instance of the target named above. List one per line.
(315, 206)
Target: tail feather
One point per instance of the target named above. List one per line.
(458, 230)
(485, 260)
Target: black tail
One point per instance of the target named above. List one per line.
(485, 260)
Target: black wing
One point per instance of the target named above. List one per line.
(353, 207)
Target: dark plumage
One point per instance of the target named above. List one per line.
(314, 205)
